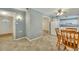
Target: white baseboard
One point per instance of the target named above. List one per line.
(29, 38)
(20, 38)
(36, 38)
(33, 38)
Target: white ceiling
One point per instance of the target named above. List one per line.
(46, 11)
(53, 11)
(21, 9)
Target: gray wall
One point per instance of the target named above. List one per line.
(20, 25)
(28, 25)
(35, 24)
(31, 27)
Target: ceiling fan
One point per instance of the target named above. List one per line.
(60, 12)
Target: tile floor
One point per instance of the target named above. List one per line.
(45, 43)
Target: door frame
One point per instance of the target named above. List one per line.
(12, 14)
(49, 19)
(14, 26)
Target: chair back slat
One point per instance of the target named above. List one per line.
(58, 33)
(70, 38)
(71, 29)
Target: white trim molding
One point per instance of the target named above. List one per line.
(21, 38)
(31, 39)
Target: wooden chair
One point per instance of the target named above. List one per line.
(59, 39)
(70, 39)
(71, 29)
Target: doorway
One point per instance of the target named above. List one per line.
(6, 28)
(46, 25)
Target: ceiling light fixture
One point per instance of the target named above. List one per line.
(19, 17)
(60, 12)
(4, 13)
